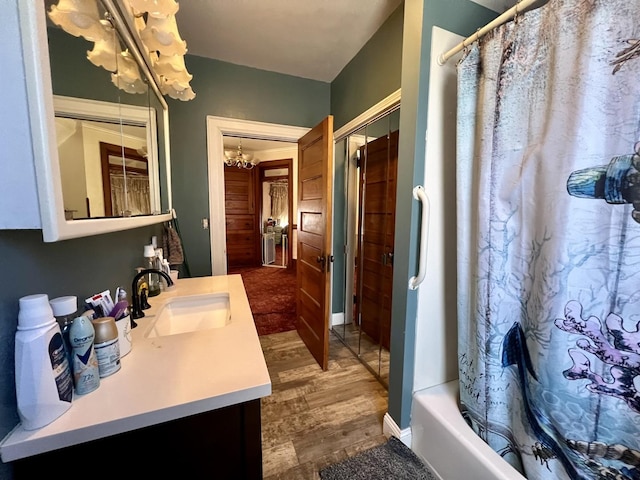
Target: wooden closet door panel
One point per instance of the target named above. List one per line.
(243, 242)
(237, 223)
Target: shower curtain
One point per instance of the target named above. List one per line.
(548, 212)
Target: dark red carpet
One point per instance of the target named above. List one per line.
(272, 297)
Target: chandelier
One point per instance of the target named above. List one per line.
(156, 26)
(238, 159)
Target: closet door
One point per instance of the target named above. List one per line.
(243, 241)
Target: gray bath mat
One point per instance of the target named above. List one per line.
(391, 460)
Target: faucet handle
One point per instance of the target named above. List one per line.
(144, 304)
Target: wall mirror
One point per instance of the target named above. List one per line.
(100, 139)
(108, 159)
(370, 157)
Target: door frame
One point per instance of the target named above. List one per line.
(217, 127)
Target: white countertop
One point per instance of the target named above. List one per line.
(162, 378)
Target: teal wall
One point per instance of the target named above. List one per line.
(372, 75)
(233, 91)
(360, 85)
(462, 17)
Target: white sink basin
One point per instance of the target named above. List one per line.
(190, 314)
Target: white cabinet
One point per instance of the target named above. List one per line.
(30, 183)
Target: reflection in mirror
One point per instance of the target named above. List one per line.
(340, 218)
(91, 170)
(352, 315)
(108, 166)
(131, 179)
(370, 196)
(125, 180)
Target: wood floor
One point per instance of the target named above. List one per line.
(315, 418)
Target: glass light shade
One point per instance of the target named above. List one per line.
(139, 24)
(184, 94)
(238, 159)
(173, 68)
(155, 8)
(79, 18)
(161, 34)
(128, 77)
(105, 52)
(123, 83)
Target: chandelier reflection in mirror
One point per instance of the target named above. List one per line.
(156, 25)
(238, 159)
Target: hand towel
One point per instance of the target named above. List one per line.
(172, 246)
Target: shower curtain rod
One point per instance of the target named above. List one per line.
(505, 17)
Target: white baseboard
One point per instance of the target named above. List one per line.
(337, 319)
(391, 428)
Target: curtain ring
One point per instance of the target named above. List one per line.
(465, 52)
(516, 17)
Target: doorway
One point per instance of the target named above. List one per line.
(217, 127)
(276, 212)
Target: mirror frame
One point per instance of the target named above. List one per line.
(42, 122)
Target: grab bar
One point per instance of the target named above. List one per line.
(420, 194)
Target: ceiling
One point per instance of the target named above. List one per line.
(254, 145)
(312, 39)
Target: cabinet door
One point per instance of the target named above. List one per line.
(223, 444)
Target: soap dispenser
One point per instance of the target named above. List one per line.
(153, 281)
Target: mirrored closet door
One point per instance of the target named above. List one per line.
(370, 159)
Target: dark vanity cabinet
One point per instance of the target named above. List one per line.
(222, 444)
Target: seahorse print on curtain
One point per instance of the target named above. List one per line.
(548, 215)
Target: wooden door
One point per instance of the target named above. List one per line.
(241, 217)
(376, 245)
(315, 191)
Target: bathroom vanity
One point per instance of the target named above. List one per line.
(183, 401)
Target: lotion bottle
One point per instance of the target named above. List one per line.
(43, 378)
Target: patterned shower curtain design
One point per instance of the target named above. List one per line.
(548, 189)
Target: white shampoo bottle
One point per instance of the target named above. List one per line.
(44, 386)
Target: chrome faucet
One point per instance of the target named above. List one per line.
(136, 307)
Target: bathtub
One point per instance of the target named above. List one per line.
(444, 441)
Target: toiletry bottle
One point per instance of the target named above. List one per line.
(43, 378)
(158, 266)
(86, 375)
(123, 324)
(65, 309)
(106, 345)
(150, 262)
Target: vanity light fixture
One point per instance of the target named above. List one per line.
(156, 24)
(78, 18)
(239, 159)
